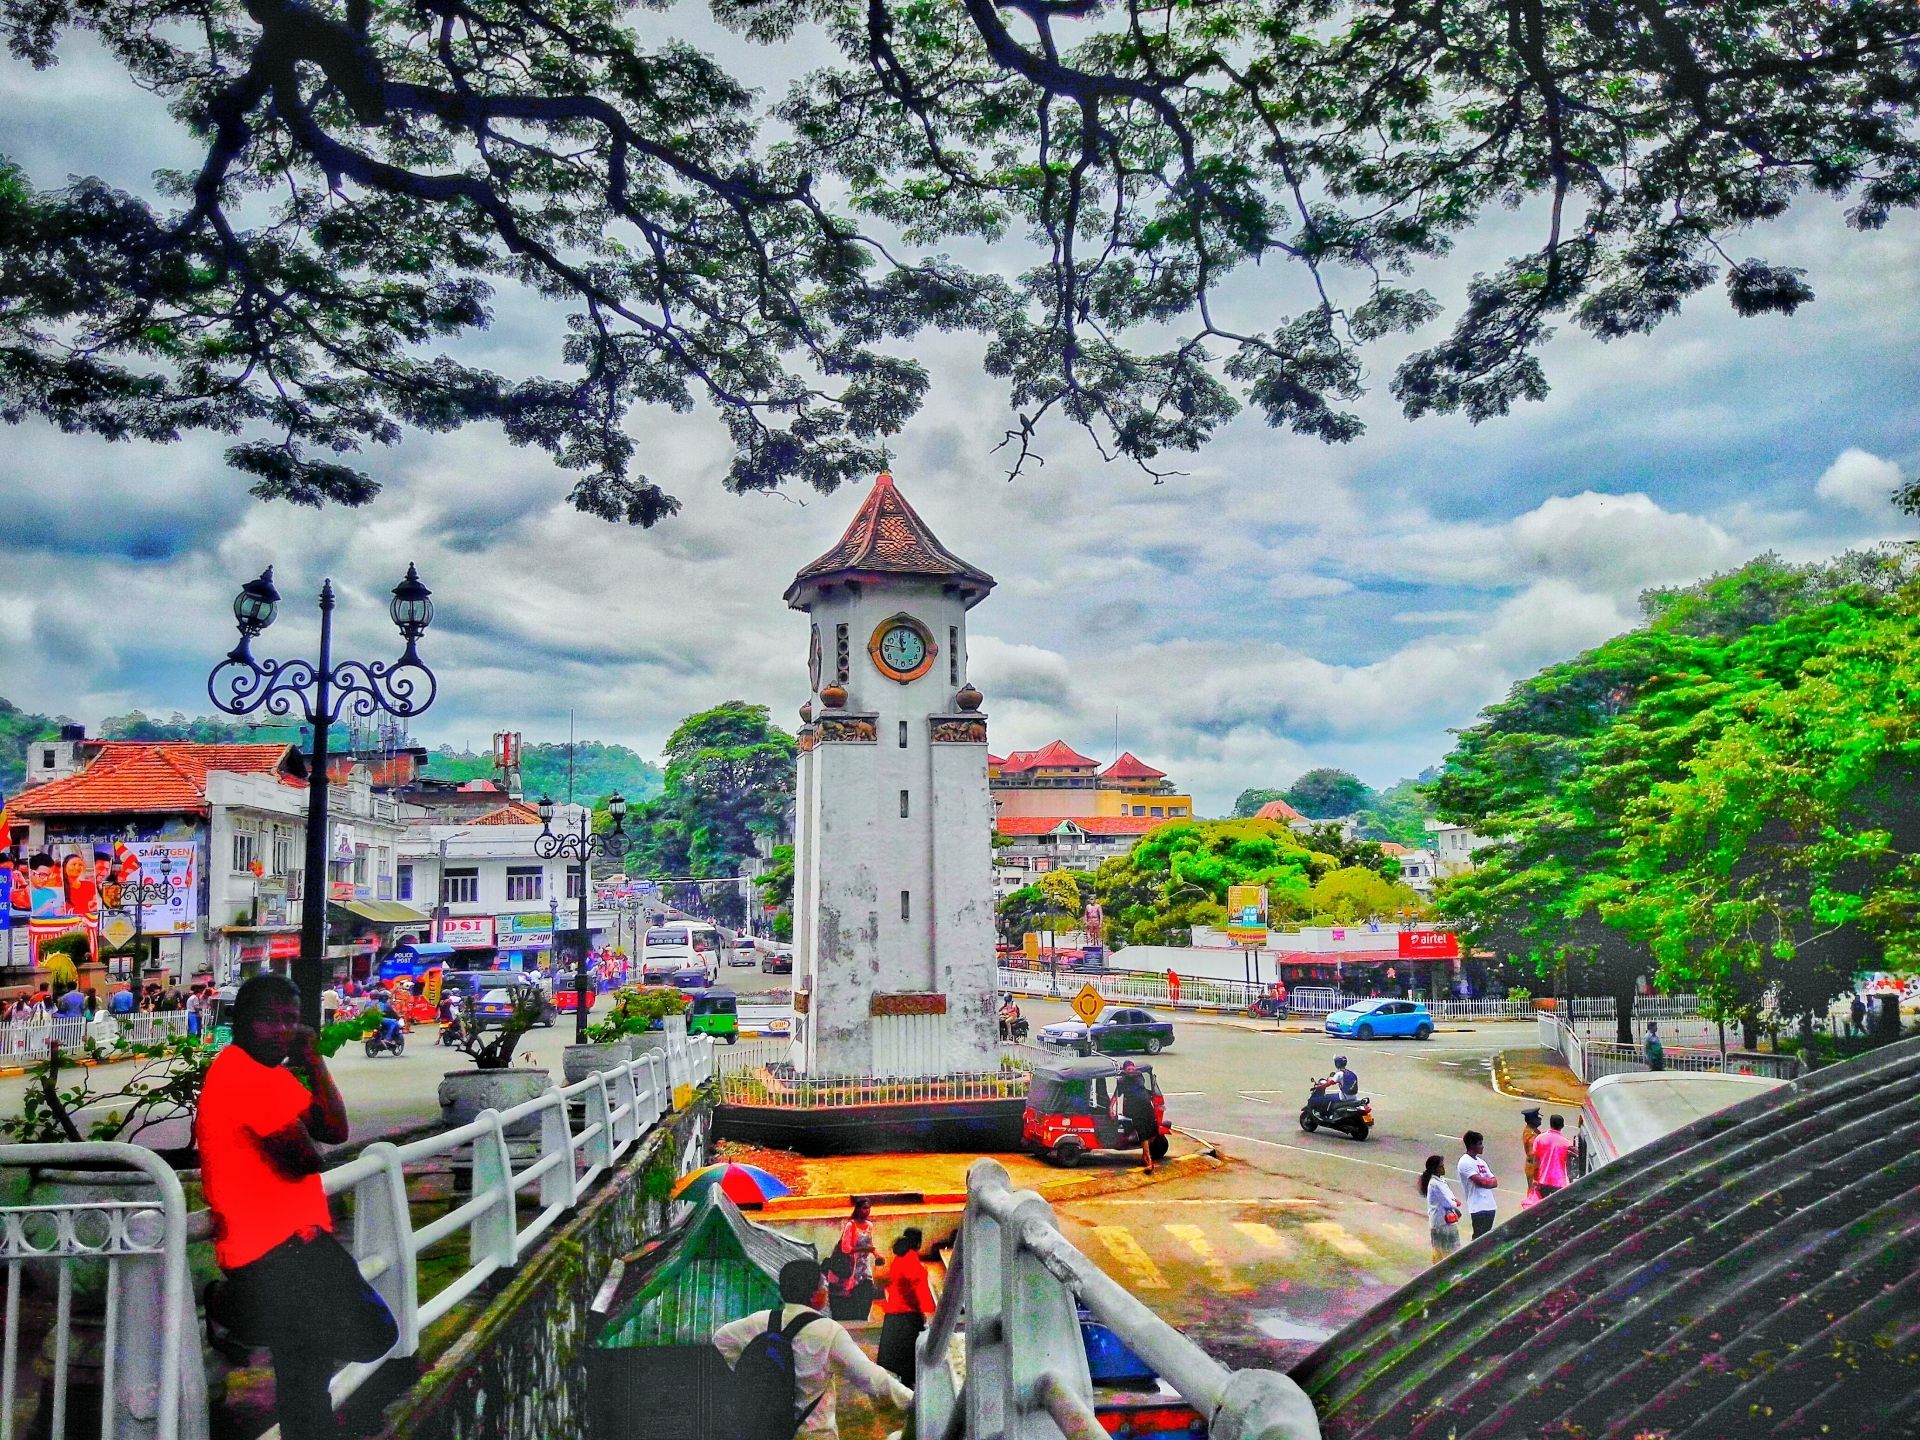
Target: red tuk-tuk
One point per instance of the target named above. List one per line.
(1069, 1110)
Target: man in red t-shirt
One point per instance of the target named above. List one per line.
(290, 1284)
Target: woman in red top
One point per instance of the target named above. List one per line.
(907, 1308)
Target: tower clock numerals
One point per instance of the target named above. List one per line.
(902, 649)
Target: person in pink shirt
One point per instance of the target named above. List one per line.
(1550, 1154)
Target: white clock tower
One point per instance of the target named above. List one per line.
(893, 859)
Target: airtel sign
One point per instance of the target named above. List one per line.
(1429, 945)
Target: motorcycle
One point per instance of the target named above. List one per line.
(376, 1045)
(1352, 1115)
(1014, 1028)
(1265, 1007)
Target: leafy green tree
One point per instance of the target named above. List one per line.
(775, 886)
(1399, 813)
(1177, 877)
(589, 769)
(1249, 801)
(201, 729)
(1061, 893)
(18, 729)
(1584, 772)
(1023, 910)
(1344, 850)
(729, 780)
(364, 176)
(1326, 794)
(1359, 892)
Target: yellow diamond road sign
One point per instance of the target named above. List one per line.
(1088, 1004)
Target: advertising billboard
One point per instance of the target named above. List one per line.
(104, 886)
(467, 930)
(1429, 945)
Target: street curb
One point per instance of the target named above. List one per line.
(1500, 1079)
(14, 1072)
(1116, 1183)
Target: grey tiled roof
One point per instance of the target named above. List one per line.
(1755, 1274)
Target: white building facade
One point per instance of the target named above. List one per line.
(893, 875)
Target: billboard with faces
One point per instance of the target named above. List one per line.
(81, 885)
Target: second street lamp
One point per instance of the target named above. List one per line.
(320, 691)
(582, 846)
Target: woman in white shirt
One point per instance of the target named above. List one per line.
(1443, 1209)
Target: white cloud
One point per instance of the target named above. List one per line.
(1861, 481)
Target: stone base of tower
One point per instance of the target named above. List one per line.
(979, 1126)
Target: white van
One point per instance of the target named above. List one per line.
(681, 945)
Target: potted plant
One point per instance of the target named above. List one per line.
(494, 1083)
(641, 1013)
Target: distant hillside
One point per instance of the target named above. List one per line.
(17, 729)
(599, 770)
(202, 729)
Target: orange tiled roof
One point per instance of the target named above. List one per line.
(1021, 825)
(1055, 755)
(150, 777)
(888, 538)
(514, 812)
(1278, 810)
(1129, 768)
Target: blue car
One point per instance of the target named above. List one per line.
(1368, 1019)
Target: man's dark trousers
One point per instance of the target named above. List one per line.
(1482, 1222)
(307, 1303)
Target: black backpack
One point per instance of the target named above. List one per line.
(766, 1391)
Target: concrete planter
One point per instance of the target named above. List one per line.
(465, 1093)
(579, 1061)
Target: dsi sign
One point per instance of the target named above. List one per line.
(1429, 945)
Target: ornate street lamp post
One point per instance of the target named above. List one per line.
(582, 846)
(319, 692)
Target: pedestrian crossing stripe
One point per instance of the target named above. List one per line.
(1264, 1236)
(1195, 1239)
(1128, 1255)
(1335, 1238)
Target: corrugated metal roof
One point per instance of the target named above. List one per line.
(1755, 1274)
(718, 1266)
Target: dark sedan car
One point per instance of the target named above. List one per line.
(1119, 1029)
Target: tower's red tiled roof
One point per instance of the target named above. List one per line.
(1278, 810)
(887, 538)
(150, 777)
(1129, 768)
(514, 812)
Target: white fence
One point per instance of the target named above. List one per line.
(26, 1043)
(1016, 1279)
(1590, 1058)
(147, 1349)
(534, 1147)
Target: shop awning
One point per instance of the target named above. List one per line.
(383, 912)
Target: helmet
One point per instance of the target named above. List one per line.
(1340, 1060)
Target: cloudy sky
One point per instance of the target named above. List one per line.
(1283, 604)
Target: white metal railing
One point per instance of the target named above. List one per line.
(751, 1055)
(147, 1346)
(617, 1108)
(1590, 1058)
(1015, 1278)
(27, 1042)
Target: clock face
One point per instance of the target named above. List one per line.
(903, 647)
(813, 659)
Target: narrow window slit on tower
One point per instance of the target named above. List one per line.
(903, 734)
(906, 904)
(903, 804)
(953, 655)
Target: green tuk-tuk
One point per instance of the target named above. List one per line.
(714, 1013)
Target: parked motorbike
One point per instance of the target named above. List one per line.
(376, 1045)
(1015, 1029)
(1265, 1007)
(1352, 1115)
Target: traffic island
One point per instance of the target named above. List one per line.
(1532, 1073)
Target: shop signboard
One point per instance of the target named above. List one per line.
(467, 930)
(1429, 945)
(284, 947)
(1247, 915)
(340, 890)
(529, 923)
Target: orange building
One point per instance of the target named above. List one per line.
(1058, 782)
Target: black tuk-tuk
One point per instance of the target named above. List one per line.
(1069, 1110)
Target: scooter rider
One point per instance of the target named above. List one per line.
(1345, 1079)
(389, 1019)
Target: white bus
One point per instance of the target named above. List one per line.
(679, 945)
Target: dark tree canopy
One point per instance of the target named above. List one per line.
(1324, 793)
(371, 174)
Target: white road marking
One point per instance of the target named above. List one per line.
(1127, 1253)
(1335, 1238)
(1264, 1236)
(1304, 1150)
(1182, 1092)
(1276, 1202)
(1249, 1095)
(1195, 1239)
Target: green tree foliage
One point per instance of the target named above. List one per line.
(1323, 794)
(364, 177)
(18, 728)
(1249, 801)
(200, 729)
(729, 779)
(1333, 842)
(1721, 799)
(1399, 813)
(599, 770)
(1060, 893)
(1177, 877)
(1359, 892)
(776, 888)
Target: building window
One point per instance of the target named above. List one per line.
(903, 804)
(46, 759)
(906, 904)
(1176, 810)
(903, 734)
(282, 851)
(573, 883)
(524, 882)
(242, 851)
(460, 887)
(1158, 810)
(953, 655)
(403, 883)
(842, 655)
(360, 867)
